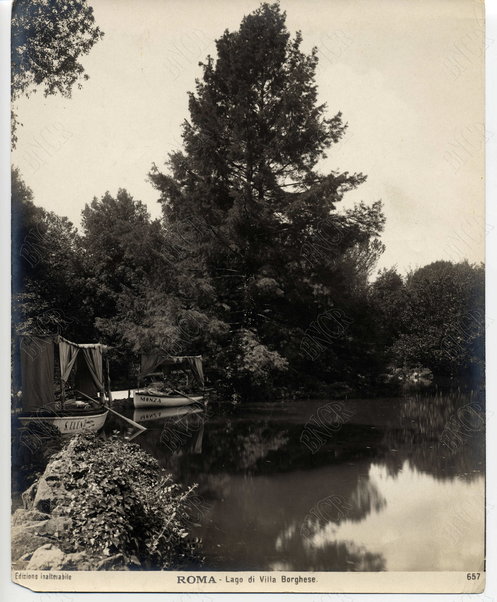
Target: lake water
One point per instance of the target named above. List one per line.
(364, 485)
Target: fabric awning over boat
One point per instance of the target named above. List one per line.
(37, 368)
(90, 362)
(151, 361)
(37, 372)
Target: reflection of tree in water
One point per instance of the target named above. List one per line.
(220, 445)
(264, 486)
(424, 424)
(318, 529)
(261, 444)
(302, 555)
(335, 509)
(236, 448)
(431, 415)
(257, 444)
(169, 439)
(344, 556)
(276, 447)
(365, 499)
(269, 520)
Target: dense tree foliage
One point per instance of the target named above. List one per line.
(120, 242)
(247, 194)
(143, 300)
(442, 319)
(48, 273)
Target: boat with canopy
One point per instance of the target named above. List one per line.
(160, 391)
(46, 398)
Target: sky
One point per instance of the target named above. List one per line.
(407, 76)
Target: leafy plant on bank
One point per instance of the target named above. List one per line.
(120, 502)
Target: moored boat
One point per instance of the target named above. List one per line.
(152, 396)
(70, 422)
(84, 363)
(147, 399)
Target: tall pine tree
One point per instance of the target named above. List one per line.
(248, 199)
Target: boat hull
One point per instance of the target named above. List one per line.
(143, 399)
(69, 424)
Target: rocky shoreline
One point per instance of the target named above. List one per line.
(85, 488)
(37, 530)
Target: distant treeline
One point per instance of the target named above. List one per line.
(309, 327)
(252, 263)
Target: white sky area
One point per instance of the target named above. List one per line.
(407, 76)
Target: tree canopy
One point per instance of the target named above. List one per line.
(48, 275)
(48, 40)
(442, 314)
(247, 193)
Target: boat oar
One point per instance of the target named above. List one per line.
(185, 395)
(132, 422)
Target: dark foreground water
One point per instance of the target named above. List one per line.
(331, 486)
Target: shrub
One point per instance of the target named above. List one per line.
(120, 501)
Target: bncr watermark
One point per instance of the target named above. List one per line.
(325, 242)
(462, 520)
(331, 509)
(44, 146)
(470, 47)
(181, 236)
(333, 44)
(175, 433)
(329, 326)
(471, 233)
(327, 421)
(473, 325)
(37, 432)
(466, 143)
(187, 329)
(466, 421)
(186, 49)
(33, 246)
(48, 322)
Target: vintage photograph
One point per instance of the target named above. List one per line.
(248, 295)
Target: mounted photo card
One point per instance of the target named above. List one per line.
(248, 296)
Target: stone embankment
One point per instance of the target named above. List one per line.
(38, 529)
(105, 504)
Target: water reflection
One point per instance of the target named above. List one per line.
(427, 524)
(430, 435)
(143, 415)
(383, 492)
